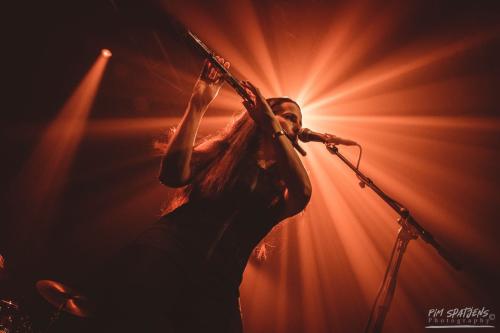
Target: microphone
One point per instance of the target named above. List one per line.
(306, 135)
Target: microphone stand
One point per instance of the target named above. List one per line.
(410, 229)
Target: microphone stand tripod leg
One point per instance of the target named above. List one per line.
(386, 292)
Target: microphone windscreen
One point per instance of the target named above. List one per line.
(304, 134)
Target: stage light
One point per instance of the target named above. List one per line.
(106, 53)
(47, 169)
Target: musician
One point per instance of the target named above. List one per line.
(183, 273)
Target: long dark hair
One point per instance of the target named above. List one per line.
(220, 160)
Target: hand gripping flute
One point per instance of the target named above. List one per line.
(231, 80)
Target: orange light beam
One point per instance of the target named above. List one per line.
(404, 68)
(45, 172)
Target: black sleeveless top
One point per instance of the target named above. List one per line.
(212, 239)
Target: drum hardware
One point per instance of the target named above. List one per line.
(63, 298)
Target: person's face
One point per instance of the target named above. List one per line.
(290, 118)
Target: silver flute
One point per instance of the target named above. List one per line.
(232, 81)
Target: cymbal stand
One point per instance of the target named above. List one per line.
(57, 314)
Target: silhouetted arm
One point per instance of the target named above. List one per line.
(298, 186)
(176, 169)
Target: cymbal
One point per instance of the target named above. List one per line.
(64, 298)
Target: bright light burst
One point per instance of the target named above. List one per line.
(409, 114)
(412, 111)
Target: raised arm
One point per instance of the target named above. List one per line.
(299, 189)
(175, 170)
